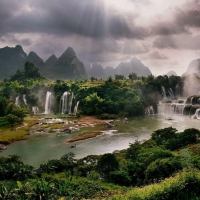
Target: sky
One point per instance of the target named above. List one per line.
(163, 34)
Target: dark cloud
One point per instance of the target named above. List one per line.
(181, 22)
(11, 38)
(86, 18)
(163, 42)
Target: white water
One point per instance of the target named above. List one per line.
(149, 110)
(35, 110)
(64, 107)
(76, 108)
(70, 104)
(17, 101)
(197, 114)
(24, 99)
(48, 103)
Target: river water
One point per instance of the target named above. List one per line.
(42, 147)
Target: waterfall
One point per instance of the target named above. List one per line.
(70, 104)
(35, 110)
(48, 103)
(196, 115)
(17, 101)
(164, 93)
(171, 93)
(191, 100)
(76, 108)
(149, 110)
(24, 99)
(63, 103)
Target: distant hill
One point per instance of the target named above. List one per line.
(110, 71)
(135, 65)
(194, 67)
(36, 60)
(97, 71)
(11, 59)
(124, 68)
(51, 61)
(170, 73)
(67, 66)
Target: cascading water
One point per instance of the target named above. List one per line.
(24, 99)
(63, 103)
(149, 110)
(164, 93)
(197, 114)
(171, 93)
(76, 108)
(17, 101)
(70, 104)
(48, 103)
(35, 110)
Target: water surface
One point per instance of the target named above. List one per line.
(42, 147)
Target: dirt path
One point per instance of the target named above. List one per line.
(24, 125)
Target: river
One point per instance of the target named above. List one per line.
(42, 147)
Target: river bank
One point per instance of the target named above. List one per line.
(10, 135)
(50, 125)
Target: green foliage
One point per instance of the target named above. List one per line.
(162, 168)
(172, 140)
(107, 164)
(93, 104)
(29, 72)
(120, 177)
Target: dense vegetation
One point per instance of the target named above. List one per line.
(140, 165)
(151, 162)
(115, 96)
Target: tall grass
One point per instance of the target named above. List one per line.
(184, 186)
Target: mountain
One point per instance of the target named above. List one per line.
(194, 67)
(170, 73)
(67, 66)
(11, 59)
(135, 65)
(51, 61)
(109, 71)
(97, 71)
(36, 60)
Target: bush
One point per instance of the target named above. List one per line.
(162, 168)
(120, 177)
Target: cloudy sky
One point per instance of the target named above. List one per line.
(163, 34)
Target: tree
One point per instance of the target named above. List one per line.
(119, 77)
(93, 104)
(3, 106)
(12, 119)
(132, 76)
(107, 163)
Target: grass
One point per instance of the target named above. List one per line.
(183, 186)
(7, 135)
